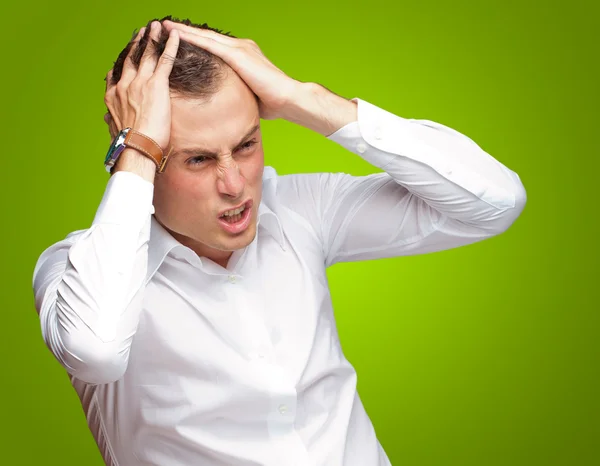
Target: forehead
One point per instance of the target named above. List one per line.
(217, 122)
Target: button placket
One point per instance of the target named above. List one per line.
(257, 346)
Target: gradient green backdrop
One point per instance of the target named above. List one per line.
(483, 355)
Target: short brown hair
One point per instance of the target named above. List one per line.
(196, 72)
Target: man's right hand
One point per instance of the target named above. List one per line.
(141, 98)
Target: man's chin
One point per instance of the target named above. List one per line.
(233, 242)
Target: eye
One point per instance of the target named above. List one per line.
(247, 145)
(197, 160)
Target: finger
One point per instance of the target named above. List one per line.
(213, 46)
(109, 95)
(113, 131)
(222, 38)
(109, 118)
(112, 127)
(149, 59)
(167, 59)
(129, 70)
(108, 79)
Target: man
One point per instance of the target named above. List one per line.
(194, 315)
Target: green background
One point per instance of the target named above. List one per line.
(483, 355)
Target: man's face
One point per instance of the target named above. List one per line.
(216, 165)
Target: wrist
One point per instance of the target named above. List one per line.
(135, 162)
(315, 107)
(137, 145)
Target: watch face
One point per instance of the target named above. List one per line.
(115, 150)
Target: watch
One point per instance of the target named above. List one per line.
(129, 137)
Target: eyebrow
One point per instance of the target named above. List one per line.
(206, 153)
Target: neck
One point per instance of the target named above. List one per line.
(202, 250)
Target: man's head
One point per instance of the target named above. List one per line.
(216, 160)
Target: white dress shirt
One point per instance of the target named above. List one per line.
(179, 361)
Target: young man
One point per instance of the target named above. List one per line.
(194, 315)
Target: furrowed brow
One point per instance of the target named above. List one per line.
(200, 152)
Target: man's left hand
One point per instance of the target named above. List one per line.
(280, 96)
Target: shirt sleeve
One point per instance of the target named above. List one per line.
(438, 190)
(88, 287)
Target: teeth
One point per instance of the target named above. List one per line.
(229, 213)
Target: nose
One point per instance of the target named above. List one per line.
(230, 181)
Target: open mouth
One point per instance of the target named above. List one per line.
(237, 219)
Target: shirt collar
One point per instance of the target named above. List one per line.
(162, 242)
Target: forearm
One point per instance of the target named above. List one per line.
(134, 162)
(318, 109)
(89, 291)
(444, 168)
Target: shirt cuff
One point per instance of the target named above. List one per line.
(127, 200)
(371, 130)
(379, 137)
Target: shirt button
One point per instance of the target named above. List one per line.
(361, 147)
(231, 278)
(378, 133)
(256, 356)
(283, 409)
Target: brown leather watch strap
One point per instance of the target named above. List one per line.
(146, 146)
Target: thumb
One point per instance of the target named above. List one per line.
(112, 127)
